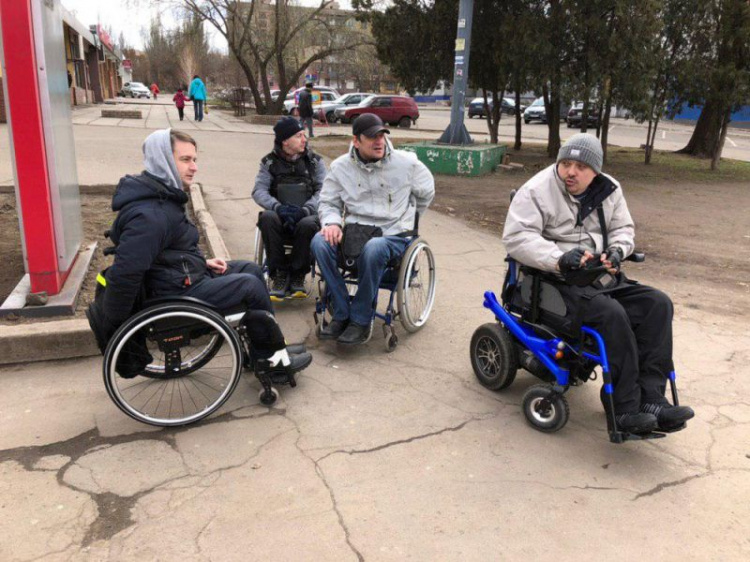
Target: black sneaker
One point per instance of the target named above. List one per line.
(356, 334)
(297, 288)
(333, 330)
(637, 422)
(296, 348)
(285, 374)
(279, 285)
(668, 417)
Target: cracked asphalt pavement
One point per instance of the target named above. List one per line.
(373, 456)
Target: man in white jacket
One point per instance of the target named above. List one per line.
(570, 216)
(378, 186)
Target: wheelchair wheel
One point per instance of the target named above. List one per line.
(416, 285)
(259, 253)
(172, 364)
(493, 356)
(545, 409)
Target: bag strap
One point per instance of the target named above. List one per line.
(603, 225)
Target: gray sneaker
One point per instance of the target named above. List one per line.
(297, 288)
(279, 285)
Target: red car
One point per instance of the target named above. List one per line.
(394, 110)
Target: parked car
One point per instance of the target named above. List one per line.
(476, 107)
(575, 115)
(327, 110)
(394, 110)
(135, 90)
(537, 112)
(290, 103)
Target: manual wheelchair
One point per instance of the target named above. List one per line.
(178, 360)
(532, 331)
(410, 281)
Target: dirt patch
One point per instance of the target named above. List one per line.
(96, 216)
(691, 222)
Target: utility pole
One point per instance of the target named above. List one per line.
(456, 132)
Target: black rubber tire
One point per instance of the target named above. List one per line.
(527, 121)
(331, 117)
(544, 409)
(268, 397)
(493, 356)
(405, 122)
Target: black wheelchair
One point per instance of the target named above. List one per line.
(410, 282)
(533, 330)
(178, 360)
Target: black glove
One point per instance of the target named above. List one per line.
(288, 214)
(614, 256)
(570, 260)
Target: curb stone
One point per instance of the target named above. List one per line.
(72, 338)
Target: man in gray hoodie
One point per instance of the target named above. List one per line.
(569, 215)
(378, 186)
(156, 247)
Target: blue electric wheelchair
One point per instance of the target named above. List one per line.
(410, 282)
(532, 331)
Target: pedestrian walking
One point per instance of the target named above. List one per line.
(197, 93)
(154, 89)
(179, 101)
(306, 108)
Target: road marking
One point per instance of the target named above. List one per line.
(663, 135)
(730, 140)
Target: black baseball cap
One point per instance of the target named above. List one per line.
(369, 125)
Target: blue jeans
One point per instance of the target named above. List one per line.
(309, 122)
(198, 106)
(370, 267)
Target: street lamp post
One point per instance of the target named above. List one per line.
(456, 132)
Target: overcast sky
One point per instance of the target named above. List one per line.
(128, 17)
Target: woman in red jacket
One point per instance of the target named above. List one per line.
(154, 89)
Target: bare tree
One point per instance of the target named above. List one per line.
(276, 41)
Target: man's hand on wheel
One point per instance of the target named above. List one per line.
(332, 234)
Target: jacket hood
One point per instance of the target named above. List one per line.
(145, 186)
(158, 159)
(383, 160)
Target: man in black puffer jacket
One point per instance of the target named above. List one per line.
(156, 248)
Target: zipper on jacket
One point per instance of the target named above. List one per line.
(185, 268)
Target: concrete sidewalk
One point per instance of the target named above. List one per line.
(373, 456)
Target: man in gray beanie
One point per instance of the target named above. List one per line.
(569, 217)
(287, 187)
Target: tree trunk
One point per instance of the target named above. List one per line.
(707, 132)
(722, 137)
(553, 122)
(604, 123)
(517, 144)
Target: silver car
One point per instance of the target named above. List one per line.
(135, 90)
(328, 109)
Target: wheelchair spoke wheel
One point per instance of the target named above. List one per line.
(545, 409)
(416, 285)
(172, 364)
(259, 253)
(493, 356)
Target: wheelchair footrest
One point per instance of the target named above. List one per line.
(621, 436)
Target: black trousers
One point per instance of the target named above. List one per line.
(243, 286)
(181, 112)
(636, 324)
(275, 236)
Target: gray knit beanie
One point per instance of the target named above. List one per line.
(583, 148)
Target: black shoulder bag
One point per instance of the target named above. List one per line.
(353, 242)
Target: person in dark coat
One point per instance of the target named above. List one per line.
(156, 246)
(287, 187)
(305, 107)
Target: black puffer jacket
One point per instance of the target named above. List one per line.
(155, 243)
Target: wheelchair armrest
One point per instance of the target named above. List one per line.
(637, 257)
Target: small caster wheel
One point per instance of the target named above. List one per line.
(391, 343)
(544, 409)
(268, 397)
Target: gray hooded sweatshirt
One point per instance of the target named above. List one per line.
(158, 159)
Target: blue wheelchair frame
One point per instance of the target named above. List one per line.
(551, 350)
